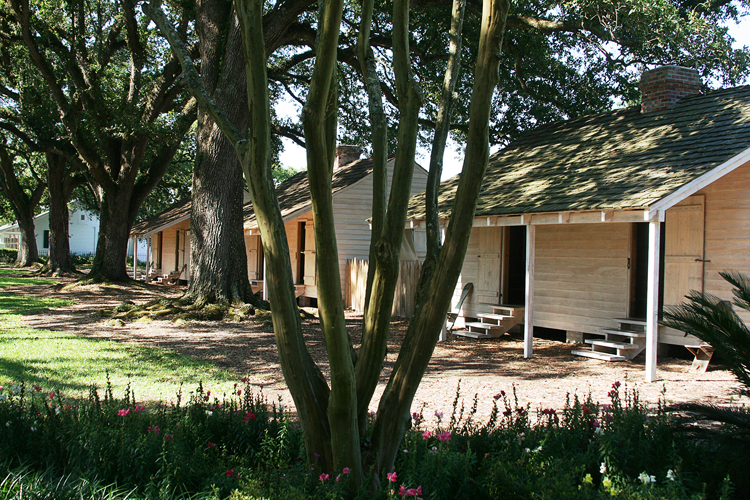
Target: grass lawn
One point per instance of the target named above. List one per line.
(72, 364)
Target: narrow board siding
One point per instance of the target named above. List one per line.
(168, 250)
(352, 207)
(727, 243)
(581, 279)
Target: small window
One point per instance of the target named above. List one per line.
(83, 217)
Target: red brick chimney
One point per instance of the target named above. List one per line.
(346, 154)
(664, 86)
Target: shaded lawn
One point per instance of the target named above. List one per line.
(71, 363)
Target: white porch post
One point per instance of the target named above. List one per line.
(528, 329)
(265, 281)
(148, 258)
(652, 306)
(135, 257)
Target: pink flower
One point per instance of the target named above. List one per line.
(139, 408)
(338, 478)
(392, 477)
(243, 379)
(324, 477)
(210, 445)
(169, 437)
(426, 435)
(155, 429)
(402, 490)
(123, 412)
(229, 473)
(250, 416)
(444, 436)
(36, 387)
(52, 395)
(616, 385)
(346, 470)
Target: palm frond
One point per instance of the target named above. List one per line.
(715, 322)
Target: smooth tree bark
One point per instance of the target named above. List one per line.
(330, 414)
(430, 310)
(24, 202)
(126, 147)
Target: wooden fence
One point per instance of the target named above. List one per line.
(406, 288)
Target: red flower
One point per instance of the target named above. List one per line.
(250, 416)
(392, 477)
(229, 473)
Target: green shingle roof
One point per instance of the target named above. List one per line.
(618, 160)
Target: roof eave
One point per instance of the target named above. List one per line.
(699, 183)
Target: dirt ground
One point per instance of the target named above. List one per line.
(483, 367)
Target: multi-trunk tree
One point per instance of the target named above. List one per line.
(333, 412)
(331, 415)
(118, 99)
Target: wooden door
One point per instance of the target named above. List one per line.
(251, 244)
(310, 264)
(488, 284)
(683, 250)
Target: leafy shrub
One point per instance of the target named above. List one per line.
(242, 448)
(8, 255)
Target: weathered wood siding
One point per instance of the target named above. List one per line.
(173, 253)
(727, 239)
(352, 207)
(581, 279)
(406, 287)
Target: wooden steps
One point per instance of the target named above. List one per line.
(491, 325)
(618, 344)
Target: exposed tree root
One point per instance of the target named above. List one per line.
(180, 310)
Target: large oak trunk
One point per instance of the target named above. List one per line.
(217, 245)
(28, 253)
(59, 186)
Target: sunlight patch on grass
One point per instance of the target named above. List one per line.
(72, 363)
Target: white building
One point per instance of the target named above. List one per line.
(83, 232)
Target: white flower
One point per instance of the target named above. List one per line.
(603, 468)
(57, 410)
(209, 412)
(33, 429)
(538, 449)
(646, 479)
(670, 475)
(7, 424)
(599, 431)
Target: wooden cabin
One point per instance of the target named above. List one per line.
(169, 232)
(352, 204)
(593, 226)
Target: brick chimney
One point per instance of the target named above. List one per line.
(664, 86)
(346, 154)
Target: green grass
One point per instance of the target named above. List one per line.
(72, 363)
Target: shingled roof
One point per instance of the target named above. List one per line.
(178, 212)
(294, 193)
(618, 160)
